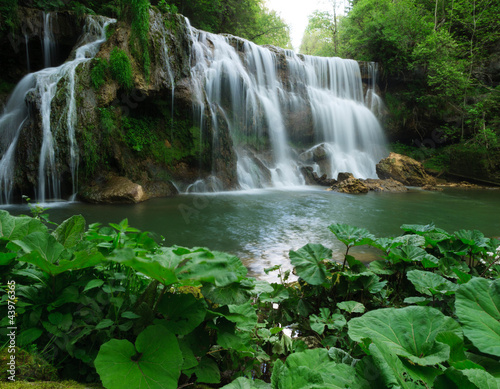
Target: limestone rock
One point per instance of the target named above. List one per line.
(351, 185)
(344, 176)
(388, 185)
(113, 189)
(405, 170)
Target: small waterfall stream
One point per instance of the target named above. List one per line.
(45, 84)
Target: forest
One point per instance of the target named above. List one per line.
(248, 269)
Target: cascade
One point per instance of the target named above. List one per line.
(253, 89)
(48, 41)
(45, 84)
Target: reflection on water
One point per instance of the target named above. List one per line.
(261, 226)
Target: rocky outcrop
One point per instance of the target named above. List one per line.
(347, 183)
(388, 185)
(405, 170)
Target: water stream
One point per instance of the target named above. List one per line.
(45, 84)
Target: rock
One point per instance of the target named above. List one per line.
(405, 170)
(113, 189)
(388, 185)
(347, 183)
(312, 177)
(432, 188)
(160, 189)
(351, 185)
(344, 176)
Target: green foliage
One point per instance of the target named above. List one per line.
(249, 19)
(173, 316)
(137, 13)
(155, 361)
(99, 72)
(121, 68)
(166, 8)
(8, 15)
(138, 132)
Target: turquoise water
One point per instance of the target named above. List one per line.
(262, 226)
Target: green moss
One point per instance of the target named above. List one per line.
(137, 12)
(29, 366)
(139, 133)
(99, 72)
(121, 68)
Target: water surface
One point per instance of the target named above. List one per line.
(261, 226)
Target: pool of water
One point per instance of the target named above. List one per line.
(262, 226)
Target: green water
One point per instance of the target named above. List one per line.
(262, 226)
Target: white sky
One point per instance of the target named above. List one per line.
(295, 13)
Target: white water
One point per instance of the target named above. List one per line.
(46, 84)
(49, 43)
(244, 87)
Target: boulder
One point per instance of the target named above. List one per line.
(405, 170)
(312, 178)
(344, 176)
(113, 189)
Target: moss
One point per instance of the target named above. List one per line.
(121, 68)
(99, 72)
(29, 366)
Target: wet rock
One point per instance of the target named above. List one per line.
(312, 177)
(344, 176)
(388, 185)
(405, 170)
(113, 189)
(160, 189)
(351, 185)
(432, 188)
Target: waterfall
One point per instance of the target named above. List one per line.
(253, 89)
(46, 84)
(48, 41)
(12, 120)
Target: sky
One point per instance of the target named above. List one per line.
(295, 13)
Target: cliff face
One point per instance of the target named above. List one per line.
(111, 116)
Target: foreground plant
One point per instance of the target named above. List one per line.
(110, 302)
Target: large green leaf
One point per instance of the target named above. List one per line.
(409, 332)
(246, 383)
(351, 235)
(315, 369)
(478, 309)
(156, 267)
(71, 231)
(308, 262)
(390, 367)
(408, 254)
(182, 312)
(466, 379)
(473, 238)
(44, 244)
(17, 227)
(422, 229)
(155, 361)
(430, 283)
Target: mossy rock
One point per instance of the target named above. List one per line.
(29, 367)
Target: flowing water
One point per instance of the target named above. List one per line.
(45, 83)
(253, 88)
(261, 226)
